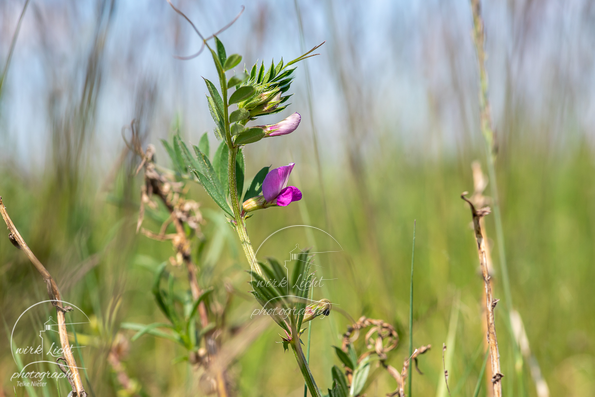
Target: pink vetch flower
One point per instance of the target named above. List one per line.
(275, 191)
(283, 127)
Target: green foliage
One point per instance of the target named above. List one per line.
(220, 51)
(203, 170)
(255, 187)
(237, 79)
(180, 310)
(284, 299)
(345, 359)
(203, 144)
(360, 376)
(340, 388)
(232, 62)
(252, 135)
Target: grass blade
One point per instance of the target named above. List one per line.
(411, 307)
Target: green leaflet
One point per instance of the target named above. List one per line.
(255, 187)
(201, 167)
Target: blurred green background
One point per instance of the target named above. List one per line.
(389, 131)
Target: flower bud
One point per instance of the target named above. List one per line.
(254, 203)
(322, 307)
(284, 127)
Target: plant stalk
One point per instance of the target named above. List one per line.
(237, 211)
(301, 360)
(54, 294)
(490, 302)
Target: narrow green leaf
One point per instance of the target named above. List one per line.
(279, 109)
(177, 161)
(201, 298)
(480, 378)
(219, 133)
(351, 352)
(179, 359)
(216, 96)
(253, 72)
(148, 328)
(360, 376)
(240, 173)
(239, 115)
(219, 67)
(220, 167)
(277, 289)
(260, 73)
(287, 73)
(279, 67)
(156, 290)
(175, 318)
(345, 359)
(255, 187)
(232, 61)
(339, 382)
(241, 94)
(284, 88)
(265, 289)
(278, 270)
(203, 144)
(237, 79)
(154, 332)
(220, 51)
(217, 117)
(269, 73)
(250, 136)
(205, 329)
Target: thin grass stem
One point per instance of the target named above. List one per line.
(411, 307)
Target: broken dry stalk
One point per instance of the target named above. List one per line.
(490, 301)
(406, 365)
(54, 293)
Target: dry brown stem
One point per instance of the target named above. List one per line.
(54, 293)
(406, 364)
(480, 182)
(490, 302)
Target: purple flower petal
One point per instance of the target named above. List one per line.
(288, 195)
(284, 127)
(275, 181)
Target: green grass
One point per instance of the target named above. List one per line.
(548, 219)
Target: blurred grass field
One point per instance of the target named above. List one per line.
(388, 156)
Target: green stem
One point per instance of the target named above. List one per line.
(301, 360)
(237, 211)
(232, 182)
(411, 309)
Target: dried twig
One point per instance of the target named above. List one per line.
(54, 293)
(480, 182)
(406, 364)
(490, 303)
